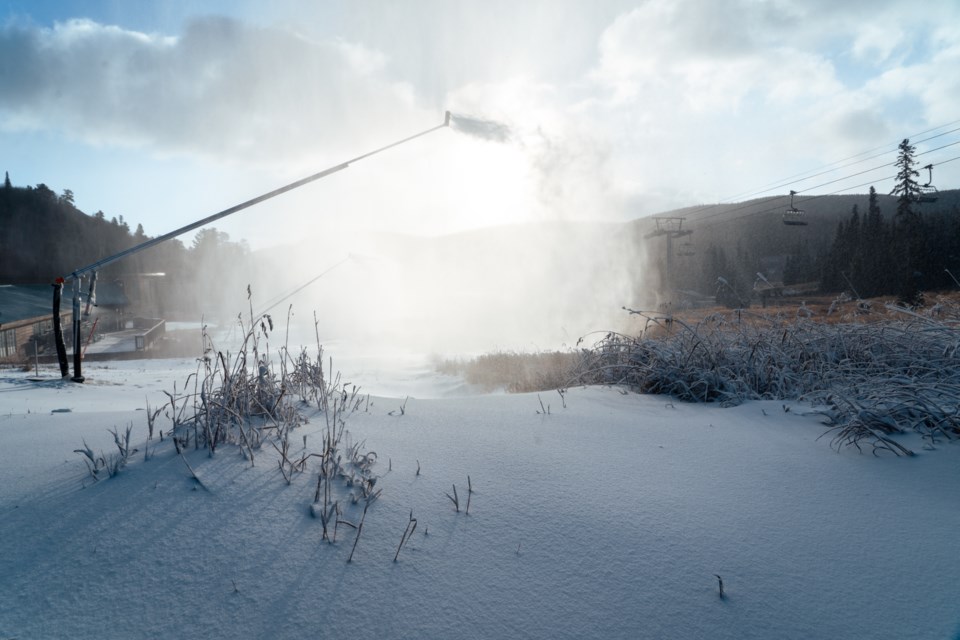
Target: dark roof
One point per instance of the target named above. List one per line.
(20, 302)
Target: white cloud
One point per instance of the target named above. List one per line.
(665, 103)
(709, 97)
(875, 42)
(694, 54)
(222, 87)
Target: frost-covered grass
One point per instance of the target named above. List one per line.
(514, 372)
(873, 379)
(255, 401)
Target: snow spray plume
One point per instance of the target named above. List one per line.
(487, 129)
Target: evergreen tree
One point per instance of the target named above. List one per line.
(851, 263)
(874, 219)
(6, 182)
(907, 231)
(856, 264)
(45, 192)
(800, 266)
(876, 264)
(907, 189)
(714, 265)
(836, 262)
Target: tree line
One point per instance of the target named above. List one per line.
(901, 255)
(44, 236)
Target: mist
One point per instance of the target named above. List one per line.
(529, 287)
(456, 244)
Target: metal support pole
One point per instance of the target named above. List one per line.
(77, 356)
(671, 227)
(91, 295)
(58, 329)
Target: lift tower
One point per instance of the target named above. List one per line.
(669, 228)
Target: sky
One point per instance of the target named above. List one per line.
(166, 112)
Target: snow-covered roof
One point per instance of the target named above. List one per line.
(28, 302)
(24, 302)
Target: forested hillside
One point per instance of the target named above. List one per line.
(44, 236)
(849, 242)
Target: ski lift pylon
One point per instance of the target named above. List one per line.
(792, 216)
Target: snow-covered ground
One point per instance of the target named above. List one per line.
(607, 518)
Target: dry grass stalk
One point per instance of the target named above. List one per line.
(720, 581)
(469, 494)
(455, 499)
(359, 530)
(407, 532)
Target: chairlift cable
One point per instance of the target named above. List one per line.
(810, 198)
(820, 185)
(785, 182)
(936, 136)
(923, 153)
(878, 155)
(802, 175)
(705, 219)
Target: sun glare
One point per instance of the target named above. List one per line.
(481, 184)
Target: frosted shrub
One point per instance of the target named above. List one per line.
(251, 399)
(873, 379)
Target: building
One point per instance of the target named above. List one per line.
(26, 318)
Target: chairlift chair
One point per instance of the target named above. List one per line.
(792, 216)
(927, 193)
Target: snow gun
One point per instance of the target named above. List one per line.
(77, 276)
